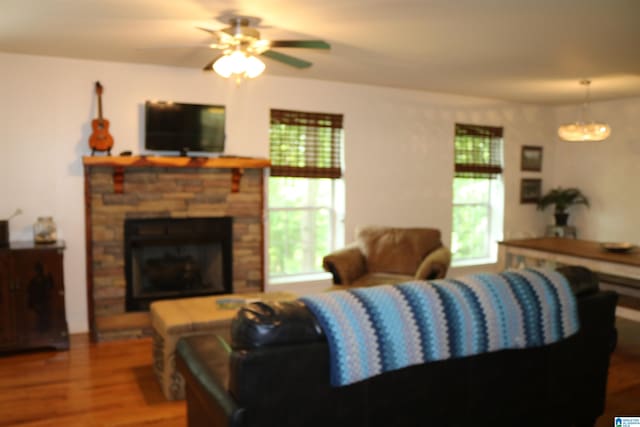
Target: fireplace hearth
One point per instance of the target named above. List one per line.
(176, 258)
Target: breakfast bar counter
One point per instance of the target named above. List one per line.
(617, 270)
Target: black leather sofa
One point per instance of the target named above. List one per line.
(276, 373)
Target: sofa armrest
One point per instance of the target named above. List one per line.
(346, 264)
(435, 265)
(203, 361)
(582, 280)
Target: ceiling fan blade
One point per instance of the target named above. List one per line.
(180, 46)
(309, 44)
(287, 59)
(209, 66)
(214, 32)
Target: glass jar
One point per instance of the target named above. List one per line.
(44, 230)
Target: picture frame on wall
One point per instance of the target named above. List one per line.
(530, 190)
(531, 158)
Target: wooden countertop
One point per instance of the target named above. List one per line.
(575, 247)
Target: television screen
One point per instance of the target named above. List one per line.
(184, 127)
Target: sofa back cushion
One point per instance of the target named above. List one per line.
(396, 250)
(273, 323)
(379, 329)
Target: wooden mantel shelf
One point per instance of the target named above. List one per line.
(177, 162)
(119, 163)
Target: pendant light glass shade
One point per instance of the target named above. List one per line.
(583, 131)
(254, 67)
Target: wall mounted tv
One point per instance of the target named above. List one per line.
(171, 126)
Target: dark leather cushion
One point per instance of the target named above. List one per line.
(262, 324)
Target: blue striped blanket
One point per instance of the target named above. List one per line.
(383, 328)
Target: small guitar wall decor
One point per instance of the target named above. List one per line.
(100, 139)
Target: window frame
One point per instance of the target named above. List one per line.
(489, 168)
(329, 166)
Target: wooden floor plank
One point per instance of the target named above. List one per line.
(112, 385)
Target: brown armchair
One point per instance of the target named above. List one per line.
(389, 255)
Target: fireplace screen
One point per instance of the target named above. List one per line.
(175, 258)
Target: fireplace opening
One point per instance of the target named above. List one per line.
(176, 258)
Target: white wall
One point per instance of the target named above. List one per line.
(399, 153)
(607, 172)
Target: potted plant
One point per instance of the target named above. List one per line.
(562, 198)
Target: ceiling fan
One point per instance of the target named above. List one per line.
(240, 45)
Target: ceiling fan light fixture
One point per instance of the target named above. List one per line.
(582, 131)
(239, 64)
(241, 48)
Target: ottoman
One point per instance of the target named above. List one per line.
(174, 319)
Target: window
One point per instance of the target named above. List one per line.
(477, 194)
(306, 196)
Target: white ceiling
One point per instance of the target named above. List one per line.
(532, 51)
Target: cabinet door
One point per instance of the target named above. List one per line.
(7, 320)
(40, 308)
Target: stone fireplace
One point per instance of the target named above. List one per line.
(160, 201)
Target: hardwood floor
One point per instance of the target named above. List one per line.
(106, 384)
(112, 384)
(623, 387)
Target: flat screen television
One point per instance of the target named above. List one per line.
(171, 126)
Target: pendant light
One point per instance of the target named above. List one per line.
(584, 130)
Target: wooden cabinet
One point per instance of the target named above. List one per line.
(32, 309)
(7, 319)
